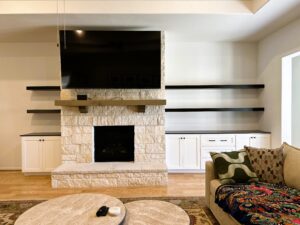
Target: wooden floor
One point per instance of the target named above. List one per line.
(15, 186)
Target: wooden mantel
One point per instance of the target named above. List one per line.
(83, 104)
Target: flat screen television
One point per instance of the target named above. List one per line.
(110, 59)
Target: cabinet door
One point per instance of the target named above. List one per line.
(173, 151)
(242, 140)
(51, 153)
(31, 155)
(253, 140)
(190, 152)
(260, 141)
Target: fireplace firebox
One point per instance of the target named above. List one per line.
(114, 143)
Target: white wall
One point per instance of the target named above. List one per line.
(186, 63)
(211, 63)
(23, 64)
(270, 51)
(296, 101)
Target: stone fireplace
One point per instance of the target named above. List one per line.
(113, 145)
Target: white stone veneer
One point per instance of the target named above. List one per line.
(78, 144)
(109, 175)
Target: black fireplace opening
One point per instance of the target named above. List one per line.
(114, 143)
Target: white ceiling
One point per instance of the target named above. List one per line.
(240, 24)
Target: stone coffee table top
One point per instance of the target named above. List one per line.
(75, 209)
(153, 212)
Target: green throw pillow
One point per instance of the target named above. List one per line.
(233, 167)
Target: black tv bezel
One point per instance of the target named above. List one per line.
(61, 39)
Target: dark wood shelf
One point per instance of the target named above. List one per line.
(43, 111)
(41, 134)
(217, 86)
(248, 109)
(43, 88)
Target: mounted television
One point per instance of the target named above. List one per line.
(110, 59)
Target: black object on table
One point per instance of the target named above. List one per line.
(102, 211)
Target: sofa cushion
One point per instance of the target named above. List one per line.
(292, 167)
(260, 203)
(214, 184)
(287, 148)
(233, 167)
(267, 163)
(221, 216)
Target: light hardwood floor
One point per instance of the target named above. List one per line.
(15, 186)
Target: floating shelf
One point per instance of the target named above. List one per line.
(43, 111)
(83, 104)
(43, 88)
(248, 109)
(41, 134)
(217, 86)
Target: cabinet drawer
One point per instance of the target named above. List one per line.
(205, 152)
(217, 140)
(202, 163)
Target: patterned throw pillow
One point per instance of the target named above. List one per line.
(233, 167)
(267, 164)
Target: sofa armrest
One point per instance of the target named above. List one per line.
(209, 175)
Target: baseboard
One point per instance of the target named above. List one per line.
(10, 168)
(37, 173)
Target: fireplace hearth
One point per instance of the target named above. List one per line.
(114, 143)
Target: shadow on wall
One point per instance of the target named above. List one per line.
(52, 121)
(25, 34)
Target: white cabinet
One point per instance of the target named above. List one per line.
(173, 151)
(189, 152)
(217, 140)
(40, 153)
(31, 157)
(253, 140)
(183, 152)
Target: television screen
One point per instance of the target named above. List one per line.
(110, 59)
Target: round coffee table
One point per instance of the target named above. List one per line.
(153, 212)
(75, 209)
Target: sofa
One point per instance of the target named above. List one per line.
(291, 167)
(211, 184)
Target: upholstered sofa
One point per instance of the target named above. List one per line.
(212, 183)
